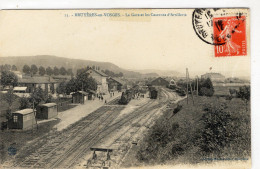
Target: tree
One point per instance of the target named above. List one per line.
(7, 67)
(49, 99)
(61, 88)
(72, 86)
(34, 69)
(69, 72)
(82, 82)
(42, 71)
(244, 94)
(24, 103)
(120, 74)
(26, 69)
(14, 68)
(93, 67)
(9, 97)
(38, 96)
(63, 71)
(49, 71)
(56, 71)
(206, 87)
(8, 79)
(85, 81)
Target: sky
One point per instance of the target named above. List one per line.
(136, 43)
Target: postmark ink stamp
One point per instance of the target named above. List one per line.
(226, 31)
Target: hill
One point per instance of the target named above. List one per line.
(164, 73)
(74, 64)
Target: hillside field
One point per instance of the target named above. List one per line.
(212, 129)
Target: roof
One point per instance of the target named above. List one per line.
(82, 92)
(49, 104)
(23, 94)
(24, 111)
(98, 72)
(117, 80)
(159, 78)
(91, 91)
(36, 80)
(20, 88)
(214, 75)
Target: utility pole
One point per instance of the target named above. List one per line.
(82, 94)
(197, 85)
(190, 86)
(34, 113)
(187, 89)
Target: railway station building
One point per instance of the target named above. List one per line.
(101, 79)
(115, 84)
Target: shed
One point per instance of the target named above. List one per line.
(79, 97)
(91, 94)
(20, 89)
(22, 119)
(47, 111)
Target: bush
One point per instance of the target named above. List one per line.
(206, 87)
(160, 138)
(206, 92)
(215, 135)
(224, 130)
(24, 103)
(49, 99)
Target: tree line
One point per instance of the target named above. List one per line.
(33, 70)
(46, 71)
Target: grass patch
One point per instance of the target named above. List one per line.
(20, 139)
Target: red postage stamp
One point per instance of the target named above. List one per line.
(230, 36)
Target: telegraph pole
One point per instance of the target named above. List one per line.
(82, 93)
(190, 86)
(197, 85)
(35, 116)
(187, 89)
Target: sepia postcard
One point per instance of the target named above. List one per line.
(125, 88)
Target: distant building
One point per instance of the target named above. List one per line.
(22, 119)
(115, 84)
(20, 89)
(159, 82)
(48, 84)
(101, 79)
(214, 77)
(79, 97)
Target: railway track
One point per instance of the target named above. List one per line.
(67, 148)
(59, 139)
(146, 117)
(139, 113)
(86, 144)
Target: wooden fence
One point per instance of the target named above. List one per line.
(64, 105)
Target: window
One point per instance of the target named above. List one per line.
(15, 119)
